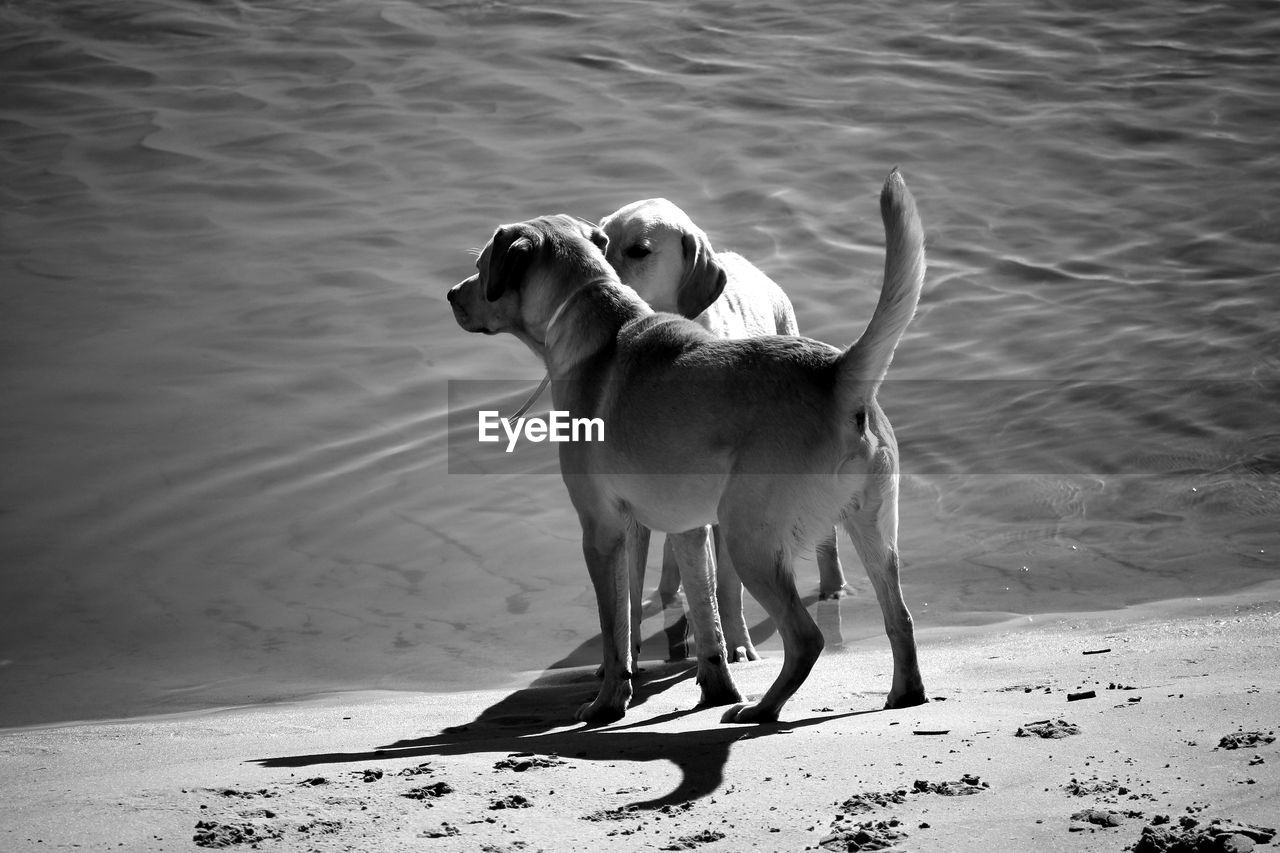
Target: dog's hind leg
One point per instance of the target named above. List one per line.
(729, 597)
(693, 550)
(874, 530)
(831, 583)
(637, 558)
(674, 622)
(604, 543)
(766, 572)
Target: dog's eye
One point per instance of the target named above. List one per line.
(637, 252)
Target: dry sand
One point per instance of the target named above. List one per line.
(1173, 743)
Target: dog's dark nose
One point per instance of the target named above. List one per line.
(453, 291)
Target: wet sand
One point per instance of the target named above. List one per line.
(1144, 728)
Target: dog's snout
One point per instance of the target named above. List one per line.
(452, 295)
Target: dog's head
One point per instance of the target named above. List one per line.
(658, 251)
(525, 272)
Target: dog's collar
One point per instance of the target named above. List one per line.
(546, 379)
(555, 315)
(546, 336)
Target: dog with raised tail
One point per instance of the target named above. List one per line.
(775, 438)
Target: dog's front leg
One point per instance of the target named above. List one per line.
(604, 547)
(831, 582)
(694, 554)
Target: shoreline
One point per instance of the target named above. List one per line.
(507, 768)
(861, 617)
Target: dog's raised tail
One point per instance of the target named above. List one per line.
(864, 365)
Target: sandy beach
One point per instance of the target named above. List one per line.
(1151, 728)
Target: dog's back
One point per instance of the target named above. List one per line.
(751, 304)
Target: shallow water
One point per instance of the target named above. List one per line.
(226, 230)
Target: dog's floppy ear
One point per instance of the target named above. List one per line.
(593, 232)
(511, 251)
(703, 280)
(598, 237)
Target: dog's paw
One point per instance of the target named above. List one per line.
(906, 700)
(744, 653)
(716, 682)
(749, 714)
(722, 694)
(833, 594)
(610, 703)
(597, 713)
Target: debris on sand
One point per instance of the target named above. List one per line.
(1106, 790)
(620, 813)
(968, 784)
(867, 801)
(1189, 836)
(235, 792)
(877, 835)
(1101, 817)
(420, 770)
(445, 831)
(1047, 729)
(429, 792)
(885, 835)
(210, 833)
(689, 842)
(1240, 740)
(1097, 817)
(1093, 787)
(514, 801)
(321, 827)
(522, 761)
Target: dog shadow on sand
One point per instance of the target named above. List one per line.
(537, 720)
